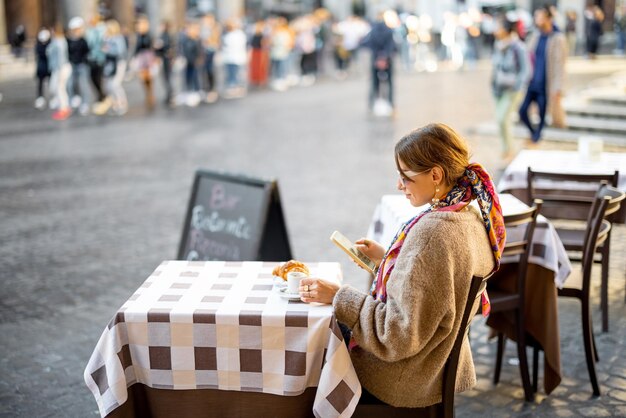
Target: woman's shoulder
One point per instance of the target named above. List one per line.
(444, 224)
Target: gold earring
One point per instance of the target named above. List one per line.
(435, 199)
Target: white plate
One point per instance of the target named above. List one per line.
(285, 295)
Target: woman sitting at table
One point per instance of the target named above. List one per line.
(403, 332)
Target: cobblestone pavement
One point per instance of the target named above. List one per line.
(88, 208)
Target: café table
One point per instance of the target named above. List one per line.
(514, 181)
(548, 269)
(222, 339)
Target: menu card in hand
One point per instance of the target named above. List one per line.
(345, 244)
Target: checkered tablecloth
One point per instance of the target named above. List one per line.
(547, 248)
(223, 325)
(566, 162)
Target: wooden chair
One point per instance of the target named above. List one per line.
(560, 203)
(596, 234)
(506, 300)
(445, 409)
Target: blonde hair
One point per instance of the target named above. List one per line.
(433, 145)
(113, 27)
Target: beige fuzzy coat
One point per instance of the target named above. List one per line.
(405, 342)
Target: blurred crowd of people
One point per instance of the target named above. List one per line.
(83, 70)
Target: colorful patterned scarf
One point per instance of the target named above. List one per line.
(475, 184)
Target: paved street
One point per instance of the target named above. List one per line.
(90, 206)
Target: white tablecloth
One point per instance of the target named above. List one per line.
(547, 249)
(567, 162)
(224, 325)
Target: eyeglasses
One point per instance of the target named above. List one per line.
(405, 177)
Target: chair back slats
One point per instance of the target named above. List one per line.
(559, 200)
(522, 247)
(603, 234)
(614, 198)
(477, 286)
(597, 232)
(611, 179)
(617, 200)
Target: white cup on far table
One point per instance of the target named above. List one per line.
(293, 280)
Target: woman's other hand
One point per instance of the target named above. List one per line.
(372, 249)
(317, 290)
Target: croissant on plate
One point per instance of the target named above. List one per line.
(291, 265)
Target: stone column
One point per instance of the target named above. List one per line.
(340, 9)
(159, 10)
(123, 11)
(23, 12)
(230, 8)
(83, 8)
(3, 24)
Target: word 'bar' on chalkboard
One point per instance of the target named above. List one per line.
(234, 218)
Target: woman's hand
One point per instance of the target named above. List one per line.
(372, 249)
(317, 290)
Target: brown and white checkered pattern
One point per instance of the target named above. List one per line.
(222, 325)
(547, 248)
(514, 177)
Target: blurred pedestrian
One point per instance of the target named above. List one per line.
(322, 35)
(620, 29)
(17, 40)
(165, 51)
(281, 45)
(114, 49)
(78, 49)
(594, 31)
(352, 31)
(61, 71)
(306, 44)
(381, 43)
(234, 57)
(548, 49)
(144, 58)
(96, 57)
(210, 33)
(557, 19)
(570, 30)
(511, 68)
(259, 56)
(43, 70)
(192, 52)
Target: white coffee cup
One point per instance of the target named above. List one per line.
(293, 280)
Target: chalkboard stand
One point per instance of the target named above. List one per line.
(275, 239)
(270, 240)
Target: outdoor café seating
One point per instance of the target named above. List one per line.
(444, 409)
(221, 335)
(562, 204)
(507, 290)
(548, 269)
(607, 200)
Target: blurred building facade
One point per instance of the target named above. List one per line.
(36, 13)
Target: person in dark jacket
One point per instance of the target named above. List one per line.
(17, 40)
(594, 31)
(548, 50)
(43, 70)
(78, 50)
(380, 41)
(192, 51)
(145, 58)
(164, 50)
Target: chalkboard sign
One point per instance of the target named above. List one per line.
(234, 218)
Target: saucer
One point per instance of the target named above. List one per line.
(286, 295)
(279, 283)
